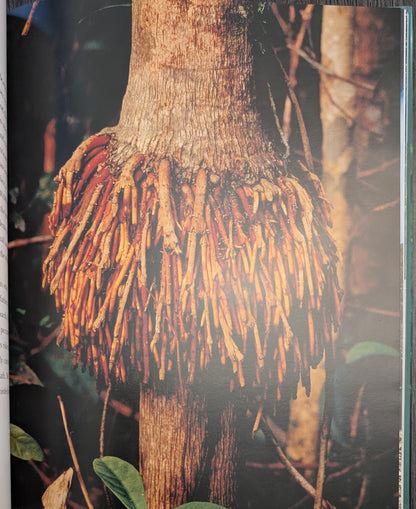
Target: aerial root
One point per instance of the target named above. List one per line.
(150, 271)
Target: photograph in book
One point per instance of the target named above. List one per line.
(208, 255)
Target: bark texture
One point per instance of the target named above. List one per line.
(190, 92)
(186, 452)
(224, 463)
(172, 445)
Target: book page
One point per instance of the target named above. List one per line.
(206, 268)
(4, 346)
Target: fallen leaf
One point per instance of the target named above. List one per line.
(56, 494)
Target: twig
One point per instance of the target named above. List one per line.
(103, 418)
(45, 341)
(121, 408)
(340, 473)
(345, 114)
(283, 25)
(326, 425)
(378, 311)
(26, 28)
(367, 173)
(73, 455)
(102, 430)
(45, 479)
(363, 491)
(280, 466)
(279, 127)
(387, 205)
(321, 68)
(294, 62)
(38, 239)
(357, 411)
(301, 122)
(297, 476)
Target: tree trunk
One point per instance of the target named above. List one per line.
(182, 245)
(172, 446)
(190, 95)
(191, 67)
(184, 453)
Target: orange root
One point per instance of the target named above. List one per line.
(169, 275)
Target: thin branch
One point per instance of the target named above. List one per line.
(45, 341)
(73, 455)
(349, 117)
(293, 98)
(378, 311)
(26, 28)
(280, 466)
(357, 411)
(39, 239)
(382, 167)
(321, 68)
(297, 476)
(45, 479)
(301, 122)
(388, 205)
(283, 25)
(121, 408)
(279, 127)
(103, 418)
(363, 492)
(357, 231)
(294, 62)
(326, 425)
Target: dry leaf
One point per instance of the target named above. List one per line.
(56, 495)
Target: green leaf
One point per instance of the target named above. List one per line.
(45, 320)
(122, 479)
(259, 436)
(201, 505)
(23, 446)
(368, 348)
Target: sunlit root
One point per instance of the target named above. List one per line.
(159, 276)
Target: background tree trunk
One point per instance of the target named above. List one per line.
(337, 114)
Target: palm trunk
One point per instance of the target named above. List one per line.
(190, 93)
(172, 445)
(189, 199)
(185, 451)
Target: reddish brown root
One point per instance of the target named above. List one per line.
(162, 276)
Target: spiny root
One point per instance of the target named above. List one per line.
(153, 273)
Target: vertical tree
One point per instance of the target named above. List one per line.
(187, 251)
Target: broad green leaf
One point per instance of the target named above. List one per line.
(23, 446)
(122, 479)
(200, 505)
(368, 348)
